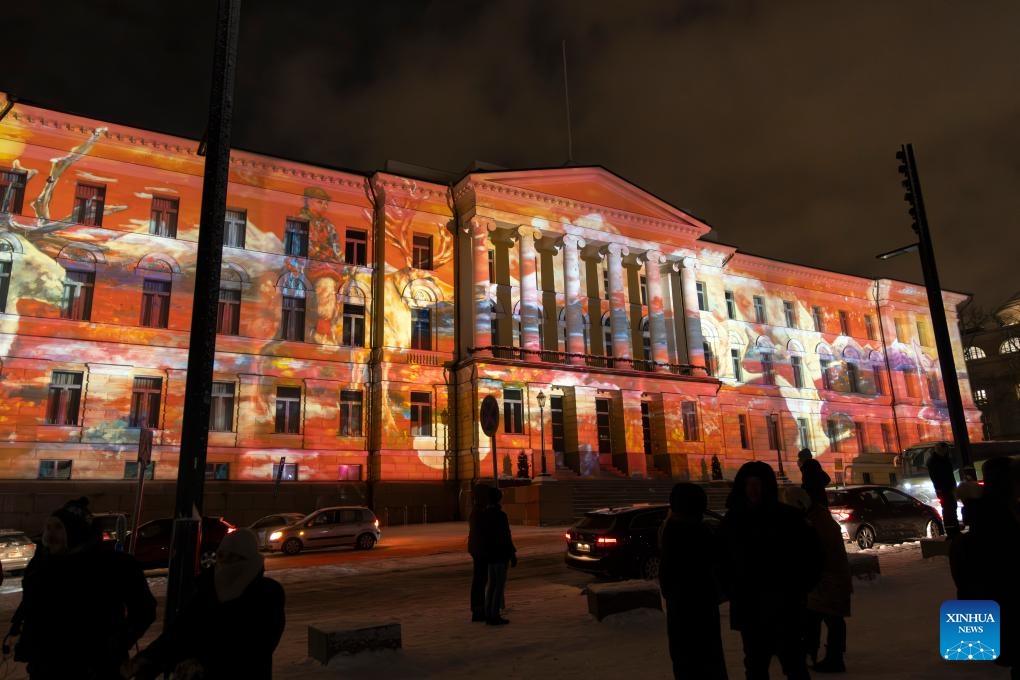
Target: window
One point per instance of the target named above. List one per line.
(217, 471)
(76, 301)
(221, 407)
(791, 322)
(876, 372)
(861, 437)
(924, 335)
(163, 218)
(603, 426)
(912, 383)
(844, 323)
(902, 334)
(351, 409)
(421, 414)
(853, 379)
(702, 296)
(356, 247)
(421, 251)
(825, 364)
(556, 418)
(934, 391)
(288, 410)
(689, 414)
(970, 354)
(803, 433)
(145, 398)
(12, 191)
(710, 366)
(759, 309)
(64, 398)
(289, 472)
(731, 305)
(797, 363)
(88, 204)
(771, 428)
(869, 326)
(155, 303)
(5, 285)
(131, 469)
(745, 438)
(646, 428)
(832, 431)
(235, 227)
(513, 411)
(421, 329)
(349, 473)
(816, 319)
(295, 238)
(228, 312)
(1010, 346)
(293, 321)
(54, 469)
(887, 439)
(605, 283)
(643, 289)
(981, 397)
(735, 358)
(492, 266)
(768, 372)
(353, 334)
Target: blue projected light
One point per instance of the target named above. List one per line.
(969, 630)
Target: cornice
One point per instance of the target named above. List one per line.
(756, 263)
(412, 188)
(516, 193)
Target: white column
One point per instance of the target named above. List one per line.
(572, 246)
(653, 261)
(530, 339)
(480, 228)
(619, 323)
(692, 315)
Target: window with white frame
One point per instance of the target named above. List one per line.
(54, 469)
(351, 410)
(146, 395)
(421, 414)
(163, 216)
(513, 411)
(221, 407)
(759, 309)
(702, 295)
(788, 314)
(288, 410)
(731, 305)
(64, 398)
(235, 226)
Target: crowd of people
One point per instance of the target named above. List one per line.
(85, 607)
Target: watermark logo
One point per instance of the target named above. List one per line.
(969, 630)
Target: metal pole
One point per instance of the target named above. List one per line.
(495, 465)
(202, 349)
(940, 326)
(541, 418)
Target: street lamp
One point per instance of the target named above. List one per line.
(541, 420)
(777, 433)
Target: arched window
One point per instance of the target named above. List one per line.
(1011, 345)
(228, 311)
(973, 352)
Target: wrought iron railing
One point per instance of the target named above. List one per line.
(591, 360)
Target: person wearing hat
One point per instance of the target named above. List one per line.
(813, 478)
(91, 604)
(229, 627)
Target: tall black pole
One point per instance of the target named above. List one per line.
(202, 350)
(940, 327)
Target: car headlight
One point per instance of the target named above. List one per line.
(276, 536)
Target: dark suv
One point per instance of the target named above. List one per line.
(621, 542)
(881, 514)
(152, 547)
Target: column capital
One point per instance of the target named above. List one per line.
(651, 257)
(615, 249)
(689, 263)
(480, 226)
(528, 231)
(573, 241)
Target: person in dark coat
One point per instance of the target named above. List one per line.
(498, 551)
(229, 627)
(829, 601)
(943, 478)
(480, 568)
(813, 478)
(82, 607)
(772, 560)
(984, 560)
(688, 578)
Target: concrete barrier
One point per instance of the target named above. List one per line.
(931, 547)
(327, 640)
(864, 565)
(612, 598)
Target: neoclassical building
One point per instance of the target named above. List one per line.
(993, 363)
(362, 319)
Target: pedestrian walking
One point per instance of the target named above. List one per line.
(498, 551)
(479, 565)
(82, 607)
(813, 478)
(772, 560)
(689, 581)
(829, 601)
(228, 628)
(943, 478)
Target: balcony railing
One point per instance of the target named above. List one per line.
(591, 360)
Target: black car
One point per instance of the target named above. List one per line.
(621, 542)
(880, 514)
(152, 547)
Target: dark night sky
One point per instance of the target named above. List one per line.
(775, 121)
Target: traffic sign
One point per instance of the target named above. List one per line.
(488, 415)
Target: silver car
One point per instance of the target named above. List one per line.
(343, 525)
(271, 523)
(16, 549)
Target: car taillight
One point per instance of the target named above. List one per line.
(841, 515)
(605, 540)
(106, 536)
(231, 530)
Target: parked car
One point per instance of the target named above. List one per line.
(112, 528)
(621, 542)
(344, 525)
(152, 547)
(871, 514)
(16, 549)
(270, 523)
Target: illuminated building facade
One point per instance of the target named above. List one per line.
(363, 318)
(992, 351)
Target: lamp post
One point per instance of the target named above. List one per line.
(541, 421)
(777, 433)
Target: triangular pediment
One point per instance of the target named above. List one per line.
(591, 185)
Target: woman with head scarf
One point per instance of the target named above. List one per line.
(231, 625)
